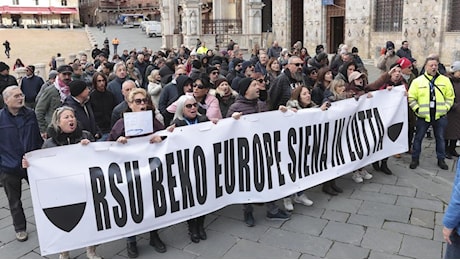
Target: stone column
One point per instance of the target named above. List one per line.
(72, 57)
(40, 70)
(20, 72)
(168, 9)
(60, 61)
(252, 22)
(191, 21)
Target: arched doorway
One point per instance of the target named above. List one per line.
(296, 21)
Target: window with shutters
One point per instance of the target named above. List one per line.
(388, 15)
(454, 19)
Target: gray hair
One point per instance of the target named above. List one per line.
(180, 104)
(7, 91)
(118, 64)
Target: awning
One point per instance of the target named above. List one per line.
(24, 10)
(63, 10)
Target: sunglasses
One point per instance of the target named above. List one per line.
(200, 86)
(261, 80)
(191, 105)
(297, 64)
(139, 101)
(215, 72)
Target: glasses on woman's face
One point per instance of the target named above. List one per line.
(261, 80)
(200, 86)
(139, 101)
(191, 105)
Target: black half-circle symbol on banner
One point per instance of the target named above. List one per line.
(394, 131)
(66, 217)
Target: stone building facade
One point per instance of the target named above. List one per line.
(430, 26)
(39, 14)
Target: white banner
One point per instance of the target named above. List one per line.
(87, 195)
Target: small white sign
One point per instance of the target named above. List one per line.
(138, 123)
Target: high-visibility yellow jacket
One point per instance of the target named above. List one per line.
(419, 96)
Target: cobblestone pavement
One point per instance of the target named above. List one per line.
(389, 216)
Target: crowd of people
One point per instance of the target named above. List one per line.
(84, 101)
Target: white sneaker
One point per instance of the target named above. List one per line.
(303, 199)
(64, 255)
(91, 253)
(288, 204)
(365, 174)
(356, 176)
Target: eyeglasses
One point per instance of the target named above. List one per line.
(191, 105)
(200, 86)
(215, 72)
(238, 65)
(297, 64)
(21, 95)
(261, 80)
(139, 101)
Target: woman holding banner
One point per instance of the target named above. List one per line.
(138, 101)
(187, 114)
(64, 130)
(300, 99)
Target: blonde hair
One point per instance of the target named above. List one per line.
(134, 92)
(152, 75)
(57, 117)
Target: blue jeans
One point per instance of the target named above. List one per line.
(453, 250)
(421, 127)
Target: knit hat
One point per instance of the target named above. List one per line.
(219, 81)
(237, 61)
(52, 74)
(31, 68)
(390, 45)
(196, 64)
(243, 85)
(404, 63)
(65, 69)
(211, 69)
(77, 87)
(354, 50)
(3, 66)
(455, 66)
(88, 64)
(245, 65)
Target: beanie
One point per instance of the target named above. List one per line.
(211, 69)
(404, 63)
(219, 81)
(196, 64)
(52, 74)
(3, 66)
(77, 87)
(245, 65)
(455, 66)
(236, 61)
(243, 85)
(31, 68)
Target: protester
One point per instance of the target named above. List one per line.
(138, 101)
(248, 103)
(30, 86)
(451, 220)
(430, 107)
(6, 79)
(187, 114)
(53, 97)
(300, 99)
(452, 133)
(65, 130)
(20, 135)
(102, 103)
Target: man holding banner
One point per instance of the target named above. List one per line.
(248, 103)
(20, 135)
